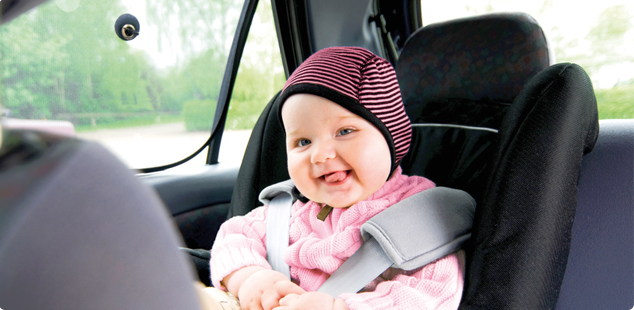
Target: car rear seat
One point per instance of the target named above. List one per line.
(600, 270)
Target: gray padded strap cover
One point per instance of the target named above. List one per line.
(423, 227)
(269, 192)
(412, 233)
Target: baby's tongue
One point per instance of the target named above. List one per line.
(335, 176)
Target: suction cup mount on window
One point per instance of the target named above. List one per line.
(127, 27)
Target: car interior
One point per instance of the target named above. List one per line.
(493, 114)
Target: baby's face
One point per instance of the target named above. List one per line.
(334, 156)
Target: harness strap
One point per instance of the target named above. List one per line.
(278, 224)
(408, 235)
(365, 265)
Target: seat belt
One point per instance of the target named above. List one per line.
(408, 235)
(277, 230)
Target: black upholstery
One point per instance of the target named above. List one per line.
(467, 79)
(486, 58)
(522, 227)
(264, 161)
(79, 231)
(493, 119)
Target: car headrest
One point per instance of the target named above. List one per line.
(79, 231)
(484, 58)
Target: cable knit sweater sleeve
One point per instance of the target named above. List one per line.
(240, 242)
(436, 286)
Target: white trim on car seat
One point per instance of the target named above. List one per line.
(456, 126)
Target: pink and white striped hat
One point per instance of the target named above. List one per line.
(361, 82)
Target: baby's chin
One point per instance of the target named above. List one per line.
(335, 203)
(339, 206)
(339, 203)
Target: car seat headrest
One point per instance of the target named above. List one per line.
(79, 231)
(488, 57)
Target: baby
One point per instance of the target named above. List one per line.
(346, 133)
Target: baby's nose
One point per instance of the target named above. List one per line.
(322, 152)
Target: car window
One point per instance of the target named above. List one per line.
(260, 77)
(150, 101)
(597, 35)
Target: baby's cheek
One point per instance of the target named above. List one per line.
(295, 169)
(300, 174)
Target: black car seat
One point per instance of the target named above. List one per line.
(492, 117)
(502, 125)
(264, 161)
(79, 231)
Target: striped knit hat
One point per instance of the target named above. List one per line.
(361, 82)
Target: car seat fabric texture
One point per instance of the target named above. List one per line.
(264, 161)
(456, 90)
(486, 57)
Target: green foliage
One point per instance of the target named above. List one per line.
(248, 100)
(29, 79)
(260, 75)
(617, 102)
(60, 63)
(198, 114)
(56, 64)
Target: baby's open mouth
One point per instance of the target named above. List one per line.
(336, 176)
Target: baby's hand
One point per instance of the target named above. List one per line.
(264, 289)
(310, 301)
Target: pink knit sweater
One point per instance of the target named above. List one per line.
(318, 248)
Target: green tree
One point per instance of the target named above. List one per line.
(57, 62)
(261, 73)
(198, 73)
(29, 69)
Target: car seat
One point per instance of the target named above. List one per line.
(79, 231)
(492, 117)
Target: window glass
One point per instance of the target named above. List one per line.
(260, 77)
(597, 35)
(151, 100)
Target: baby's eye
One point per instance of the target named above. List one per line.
(345, 131)
(303, 142)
